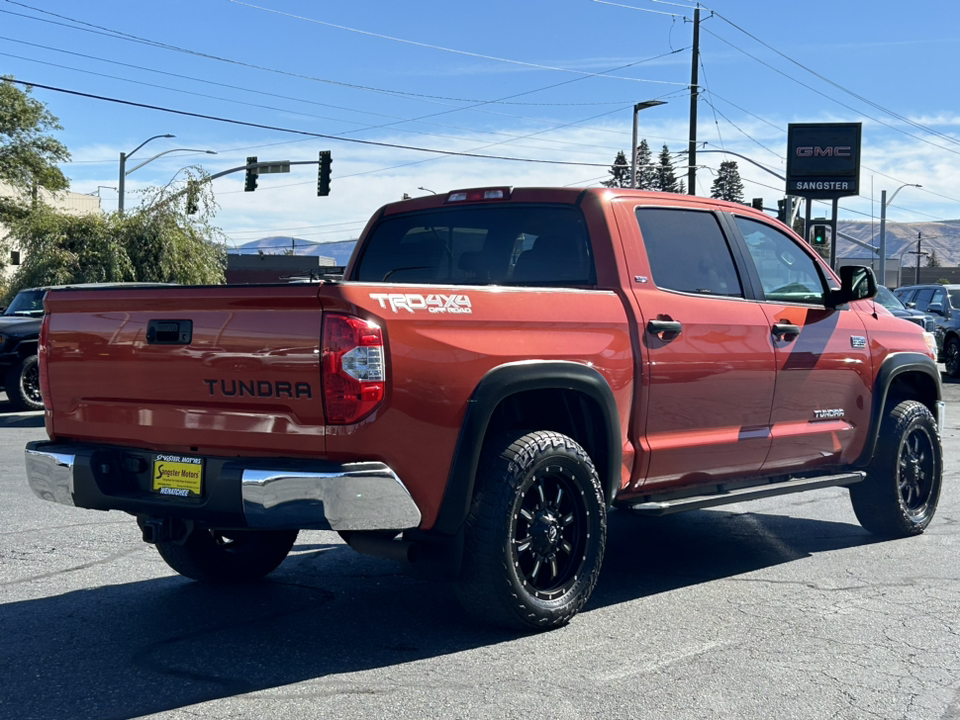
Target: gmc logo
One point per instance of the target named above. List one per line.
(814, 151)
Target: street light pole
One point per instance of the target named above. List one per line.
(637, 108)
(883, 232)
(123, 167)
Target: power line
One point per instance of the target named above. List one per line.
(306, 133)
(822, 94)
(838, 86)
(283, 110)
(446, 49)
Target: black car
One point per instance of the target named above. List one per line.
(942, 302)
(891, 302)
(19, 332)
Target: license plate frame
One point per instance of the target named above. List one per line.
(177, 476)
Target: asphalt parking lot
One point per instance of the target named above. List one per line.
(780, 608)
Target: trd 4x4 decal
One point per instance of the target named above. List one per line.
(436, 303)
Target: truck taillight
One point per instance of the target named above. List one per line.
(42, 350)
(352, 367)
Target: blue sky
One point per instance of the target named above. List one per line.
(541, 80)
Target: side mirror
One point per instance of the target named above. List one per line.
(857, 282)
(935, 308)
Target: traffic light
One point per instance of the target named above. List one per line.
(782, 210)
(193, 197)
(250, 184)
(819, 234)
(757, 204)
(323, 175)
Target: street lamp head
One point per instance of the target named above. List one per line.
(168, 135)
(211, 152)
(648, 104)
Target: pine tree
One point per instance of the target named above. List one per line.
(727, 185)
(933, 260)
(646, 172)
(619, 172)
(666, 175)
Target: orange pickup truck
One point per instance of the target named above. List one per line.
(495, 370)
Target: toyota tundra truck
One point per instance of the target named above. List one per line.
(495, 370)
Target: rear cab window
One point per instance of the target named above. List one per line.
(520, 244)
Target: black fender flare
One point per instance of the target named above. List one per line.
(500, 383)
(893, 365)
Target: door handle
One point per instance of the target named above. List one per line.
(785, 331)
(665, 329)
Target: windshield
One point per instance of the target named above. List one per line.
(886, 298)
(28, 303)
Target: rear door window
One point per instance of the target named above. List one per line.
(688, 252)
(537, 245)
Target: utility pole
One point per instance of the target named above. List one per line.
(694, 92)
(918, 252)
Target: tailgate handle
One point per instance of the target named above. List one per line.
(169, 332)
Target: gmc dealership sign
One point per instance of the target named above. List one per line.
(823, 160)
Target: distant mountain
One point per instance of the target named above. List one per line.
(284, 245)
(943, 238)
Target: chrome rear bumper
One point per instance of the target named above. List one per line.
(350, 496)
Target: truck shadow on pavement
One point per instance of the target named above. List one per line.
(136, 648)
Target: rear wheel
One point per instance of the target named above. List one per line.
(228, 556)
(23, 384)
(535, 534)
(951, 357)
(899, 496)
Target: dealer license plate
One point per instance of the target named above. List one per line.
(178, 475)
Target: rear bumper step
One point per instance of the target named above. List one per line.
(726, 497)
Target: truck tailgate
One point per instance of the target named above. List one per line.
(219, 369)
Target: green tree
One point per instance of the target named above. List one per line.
(28, 153)
(619, 172)
(157, 243)
(665, 173)
(727, 185)
(646, 171)
(933, 260)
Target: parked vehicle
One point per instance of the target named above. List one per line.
(942, 302)
(499, 367)
(896, 307)
(19, 330)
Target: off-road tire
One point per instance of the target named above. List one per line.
(23, 384)
(224, 556)
(535, 534)
(898, 498)
(951, 357)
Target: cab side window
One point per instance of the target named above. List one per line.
(787, 273)
(688, 252)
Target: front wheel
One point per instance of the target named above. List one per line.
(23, 384)
(228, 556)
(899, 496)
(535, 534)
(951, 357)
